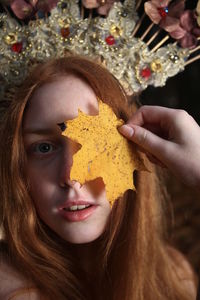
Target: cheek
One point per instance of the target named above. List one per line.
(41, 197)
(41, 173)
(40, 188)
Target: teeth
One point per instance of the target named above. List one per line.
(74, 207)
(78, 207)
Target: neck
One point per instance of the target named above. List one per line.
(89, 258)
(87, 255)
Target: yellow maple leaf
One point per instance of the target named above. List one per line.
(104, 153)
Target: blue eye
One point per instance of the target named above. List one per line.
(44, 148)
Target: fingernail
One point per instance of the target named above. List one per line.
(126, 130)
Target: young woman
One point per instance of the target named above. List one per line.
(51, 250)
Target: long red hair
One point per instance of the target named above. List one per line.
(134, 260)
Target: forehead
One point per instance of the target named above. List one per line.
(59, 101)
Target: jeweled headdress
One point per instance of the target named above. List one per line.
(138, 51)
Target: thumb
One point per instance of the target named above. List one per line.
(146, 139)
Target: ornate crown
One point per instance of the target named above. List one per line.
(136, 59)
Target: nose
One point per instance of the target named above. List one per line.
(72, 188)
(70, 183)
(66, 162)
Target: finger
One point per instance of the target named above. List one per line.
(146, 139)
(152, 115)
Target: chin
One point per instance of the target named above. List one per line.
(83, 237)
(80, 241)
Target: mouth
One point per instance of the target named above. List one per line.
(77, 212)
(76, 207)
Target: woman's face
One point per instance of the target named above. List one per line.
(76, 213)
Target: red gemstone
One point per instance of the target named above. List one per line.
(146, 72)
(163, 12)
(17, 47)
(110, 40)
(65, 32)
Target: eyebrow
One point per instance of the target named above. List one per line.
(39, 131)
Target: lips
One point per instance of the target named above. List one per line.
(75, 211)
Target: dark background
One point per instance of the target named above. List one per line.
(181, 91)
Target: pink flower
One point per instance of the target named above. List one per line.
(188, 22)
(104, 9)
(181, 25)
(165, 14)
(187, 31)
(90, 4)
(103, 6)
(24, 9)
(156, 10)
(21, 8)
